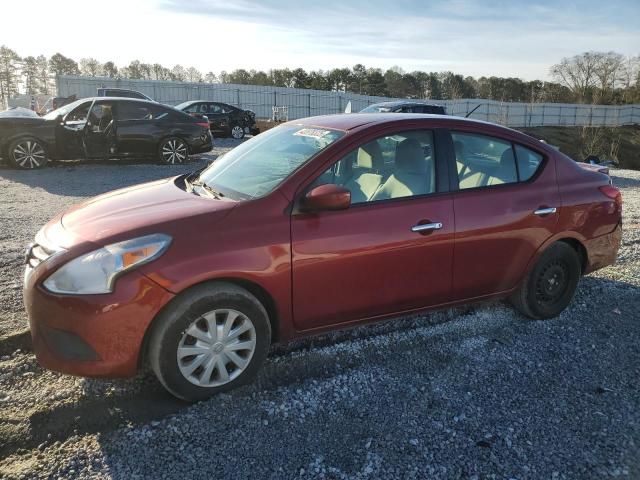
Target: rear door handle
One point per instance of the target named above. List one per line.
(426, 226)
(545, 211)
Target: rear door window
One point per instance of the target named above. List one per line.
(134, 111)
(483, 161)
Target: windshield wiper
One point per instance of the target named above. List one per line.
(199, 183)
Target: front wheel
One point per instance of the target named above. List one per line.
(211, 338)
(27, 154)
(549, 287)
(237, 132)
(173, 150)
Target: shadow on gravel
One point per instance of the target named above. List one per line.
(19, 340)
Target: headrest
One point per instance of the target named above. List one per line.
(507, 159)
(370, 156)
(410, 156)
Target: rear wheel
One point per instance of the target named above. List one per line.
(237, 132)
(173, 150)
(27, 153)
(549, 287)
(212, 338)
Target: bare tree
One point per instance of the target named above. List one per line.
(577, 73)
(211, 77)
(194, 75)
(110, 70)
(630, 74)
(608, 72)
(179, 73)
(90, 67)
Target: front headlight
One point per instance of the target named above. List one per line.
(95, 272)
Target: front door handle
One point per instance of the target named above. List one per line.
(426, 226)
(545, 211)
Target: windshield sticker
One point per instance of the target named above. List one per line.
(312, 132)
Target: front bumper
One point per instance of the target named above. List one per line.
(93, 335)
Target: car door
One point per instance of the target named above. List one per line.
(70, 132)
(503, 209)
(391, 250)
(138, 129)
(100, 133)
(218, 118)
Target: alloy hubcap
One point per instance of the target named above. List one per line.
(174, 151)
(237, 132)
(29, 154)
(216, 348)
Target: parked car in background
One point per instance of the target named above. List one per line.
(405, 106)
(101, 127)
(225, 119)
(122, 93)
(314, 225)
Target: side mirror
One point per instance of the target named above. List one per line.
(326, 197)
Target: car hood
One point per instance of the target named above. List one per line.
(154, 207)
(18, 113)
(19, 120)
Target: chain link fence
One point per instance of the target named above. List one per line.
(305, 103)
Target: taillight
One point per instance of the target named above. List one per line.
(613, 193)
(203, 124)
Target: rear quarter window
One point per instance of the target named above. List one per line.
(528, 162)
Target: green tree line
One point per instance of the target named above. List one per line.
(590, 77)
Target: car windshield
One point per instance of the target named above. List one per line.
(376, 109)
(259, 165)
(52, 115)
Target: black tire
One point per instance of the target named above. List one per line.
(549, 287)
(173, 151)
(237, 132)
(27, 153)
(186, 310)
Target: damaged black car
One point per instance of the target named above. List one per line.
(225, 120)
(103, 128)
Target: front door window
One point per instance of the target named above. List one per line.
(389, 167)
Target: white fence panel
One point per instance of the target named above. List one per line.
(305, 103)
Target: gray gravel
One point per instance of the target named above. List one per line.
(476, 392)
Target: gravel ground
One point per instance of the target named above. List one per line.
(477, 392)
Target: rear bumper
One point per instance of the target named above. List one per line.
(93, 335)
(602, 251)
(203, 145)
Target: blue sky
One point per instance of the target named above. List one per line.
(509, 38)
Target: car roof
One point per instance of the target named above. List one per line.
(128, 99)
(396, 103)
(191, 102)
(350, 121)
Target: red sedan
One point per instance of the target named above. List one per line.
(315, 225)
